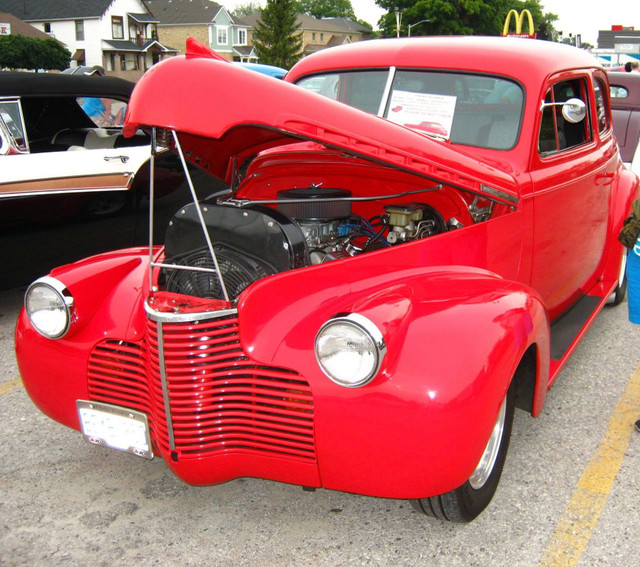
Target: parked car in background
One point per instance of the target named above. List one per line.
(625, 107)
(66, 171)
(271, 70)
(66, 139)
(366, 305)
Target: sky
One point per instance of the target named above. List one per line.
(585, 17)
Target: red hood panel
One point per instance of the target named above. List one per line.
(230, 113)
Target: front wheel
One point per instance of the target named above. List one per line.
(466, 502)
(101, 205)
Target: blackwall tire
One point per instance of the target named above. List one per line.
(465, 503)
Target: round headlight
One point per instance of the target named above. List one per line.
(48, 305)
(350, 350)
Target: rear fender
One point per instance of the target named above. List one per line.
(622, 197)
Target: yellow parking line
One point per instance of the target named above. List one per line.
(10, 386)
(574, 529)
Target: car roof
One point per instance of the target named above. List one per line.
(526, 60)
(631, 81)
(14, 83)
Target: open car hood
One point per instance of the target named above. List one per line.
(225, 114)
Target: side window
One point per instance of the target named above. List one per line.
(12, 118)
(602, 115)
(617, 91)
(556, 133)
(104, 112)
(4, 138)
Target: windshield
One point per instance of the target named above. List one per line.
(474, 110)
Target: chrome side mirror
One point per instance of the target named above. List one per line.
(573, 110)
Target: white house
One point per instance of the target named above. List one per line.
(119, 35)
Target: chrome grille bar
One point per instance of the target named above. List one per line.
(165, 388)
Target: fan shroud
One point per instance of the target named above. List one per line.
(238, 271)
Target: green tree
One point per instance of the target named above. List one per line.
(460, 17)
(277, 39)
(327, 8)
(544, 22)
(21, 52)
(246, 9)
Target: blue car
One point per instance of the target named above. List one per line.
(271, 70)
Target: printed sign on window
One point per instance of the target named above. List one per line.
(5, 29)
(431, 114)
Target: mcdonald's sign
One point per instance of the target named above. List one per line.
(519, 19)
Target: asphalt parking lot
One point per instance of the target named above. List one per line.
(570, 493)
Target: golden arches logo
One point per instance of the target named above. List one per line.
(519, 19)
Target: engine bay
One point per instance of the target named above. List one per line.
(300, 227)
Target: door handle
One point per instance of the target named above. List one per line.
(123, 159)
(605, 178)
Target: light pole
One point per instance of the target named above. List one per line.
(414, 25)
(398, 12)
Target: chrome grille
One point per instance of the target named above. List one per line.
(219, 399)
(116, 374)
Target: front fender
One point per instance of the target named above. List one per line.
(455, 336)
(106, 291)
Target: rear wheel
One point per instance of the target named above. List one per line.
(466, 502)
(617, 297)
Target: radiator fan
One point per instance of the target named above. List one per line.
(238, 271)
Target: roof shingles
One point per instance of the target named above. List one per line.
(40, 10)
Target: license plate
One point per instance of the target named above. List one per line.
(115, 427)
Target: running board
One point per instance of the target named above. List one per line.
(569, 327)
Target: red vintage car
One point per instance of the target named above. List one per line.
(364, 306)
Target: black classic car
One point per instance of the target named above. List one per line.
(70, 183)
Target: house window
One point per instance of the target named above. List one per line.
(313, 36)
(79, 30)
(222, 33)
(242, 37)
(117, 29)
(321, 37)
(47, 27)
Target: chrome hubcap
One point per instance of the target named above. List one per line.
(623, 269)
(488, 459)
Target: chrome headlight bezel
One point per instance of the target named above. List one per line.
(360, 337)
(55, 300)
